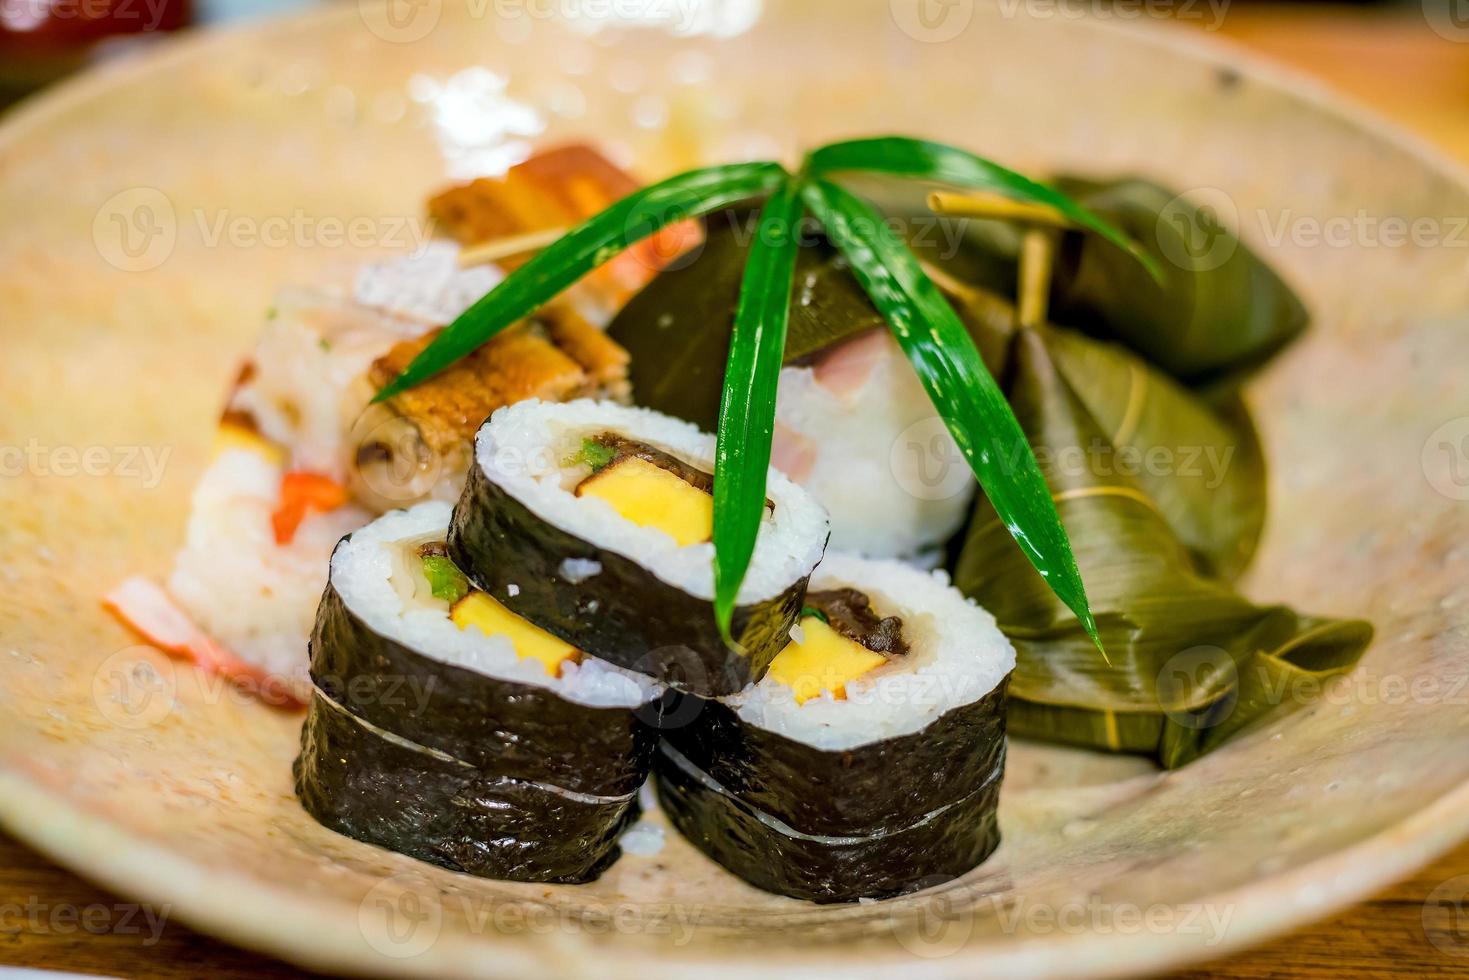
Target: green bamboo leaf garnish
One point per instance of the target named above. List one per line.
(901, 156)
(590, 244)
(961, 389)
(926, 326)
(747, 407)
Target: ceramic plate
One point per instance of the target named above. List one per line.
(151, 210)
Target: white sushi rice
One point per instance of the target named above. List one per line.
(875, 454)
(523, 449)
(957, 655)
(362, 571)
(427, 285)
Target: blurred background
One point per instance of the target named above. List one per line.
(1408, 58)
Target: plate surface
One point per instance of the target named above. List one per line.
(152, 209)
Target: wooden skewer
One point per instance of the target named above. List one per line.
(1037, 258)
(997, 208)
(504, 248)
(1042, 225)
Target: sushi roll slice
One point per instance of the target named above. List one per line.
(445, 727)
(867, 762)
(594, 521)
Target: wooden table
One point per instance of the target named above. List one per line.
(1381, 938)
(1391, 61)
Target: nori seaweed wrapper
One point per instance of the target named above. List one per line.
(834, 826)
(848, 791)
(499, 725)
(623, 614)
(385, 791)
(943, 843)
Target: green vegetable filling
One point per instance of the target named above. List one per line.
(592, 453)
(445, 580)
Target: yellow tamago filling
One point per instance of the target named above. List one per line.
(824, 660)
(530, 641)
(650, 496)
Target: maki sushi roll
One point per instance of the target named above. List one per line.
(594, 521)
(867, 762)
(445, 727)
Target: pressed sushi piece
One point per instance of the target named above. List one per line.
(463, 707)
(854, 425)
(419, 442)
(250, 589)
(299, 432)
(594, 520)
(553, 190)
(867, 762)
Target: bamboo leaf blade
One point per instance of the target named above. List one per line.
(960, 387)
(902, 156)
(588, 245)
(747, 403)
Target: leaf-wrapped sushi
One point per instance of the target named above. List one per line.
(594, 521)
(850, 412)
(1190, 661)
(444, 727)
(868, 760)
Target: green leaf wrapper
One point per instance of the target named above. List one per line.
(677, 329)
(1191, 661)
(1220, 310)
